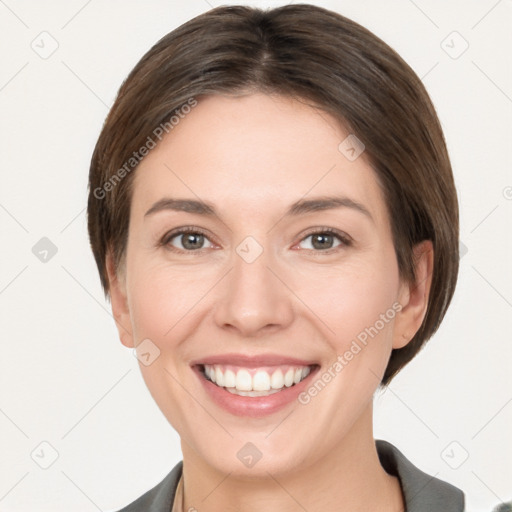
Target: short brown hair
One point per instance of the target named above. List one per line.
(308, 53)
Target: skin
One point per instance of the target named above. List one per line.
(253, 156)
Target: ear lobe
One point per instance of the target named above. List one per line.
(119, 303)
(414, 296)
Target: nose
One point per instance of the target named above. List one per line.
(254, 297)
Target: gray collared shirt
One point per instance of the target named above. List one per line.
(422, 492)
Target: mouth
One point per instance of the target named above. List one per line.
(255, 382)
(251, 385)
(244, 387)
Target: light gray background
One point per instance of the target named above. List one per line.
(66, 379)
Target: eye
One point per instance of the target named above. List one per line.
(324, 240)
(191, 239)
(185, 239)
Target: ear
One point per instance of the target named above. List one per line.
(119, 303)
(413, 297)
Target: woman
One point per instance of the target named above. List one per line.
(274, 217)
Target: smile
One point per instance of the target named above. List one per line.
(254, 382)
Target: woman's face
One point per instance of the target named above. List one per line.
(266, 279)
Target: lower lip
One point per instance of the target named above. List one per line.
(253, 406)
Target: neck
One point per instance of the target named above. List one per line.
(349, 477)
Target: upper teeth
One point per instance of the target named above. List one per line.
(255, 379)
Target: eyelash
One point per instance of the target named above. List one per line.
(345, 240)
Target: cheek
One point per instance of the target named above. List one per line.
(160, 300)
(355, 302)
(162, 305)
(354, 295)
(358, 304)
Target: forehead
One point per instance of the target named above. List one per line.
(258, 151)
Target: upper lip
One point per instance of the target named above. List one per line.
(252, 361)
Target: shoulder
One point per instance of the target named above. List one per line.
(161, 497)
(422, 492)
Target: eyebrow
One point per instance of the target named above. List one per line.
(300, 207)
